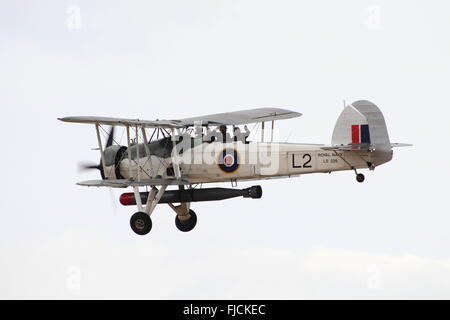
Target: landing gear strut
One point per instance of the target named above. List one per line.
(186, 222)
(141, 223)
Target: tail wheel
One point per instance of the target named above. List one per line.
(360, 177)
(141, 223)
(186, 225)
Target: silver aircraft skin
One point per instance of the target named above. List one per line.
(188, 154)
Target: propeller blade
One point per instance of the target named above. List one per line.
(88, 166)
(110, 137)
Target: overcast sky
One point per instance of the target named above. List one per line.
(316, 236)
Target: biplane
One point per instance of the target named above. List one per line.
(184, 155)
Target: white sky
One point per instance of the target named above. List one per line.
(317, 236)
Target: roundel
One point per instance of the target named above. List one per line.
(228, 160)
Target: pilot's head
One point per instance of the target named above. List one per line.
(223, 129)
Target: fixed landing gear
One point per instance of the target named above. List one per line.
(141, 223)
(186, 222)
(360, 177)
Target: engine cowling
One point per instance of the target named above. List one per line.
(113, 155)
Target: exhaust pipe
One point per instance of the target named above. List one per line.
(195, 195)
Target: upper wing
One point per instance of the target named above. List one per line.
(243, 117)
(123, 183)
(124, 122)
(227, 118)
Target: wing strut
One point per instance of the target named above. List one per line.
(271, 133)
(102, 154)
(139, 169)
(147, 149)
(176, 160)
(262, 131)
(129, 152)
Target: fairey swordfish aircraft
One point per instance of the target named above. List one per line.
(186, 153)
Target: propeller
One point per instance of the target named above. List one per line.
(90, 166)
(110, 140)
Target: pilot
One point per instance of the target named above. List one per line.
(225, 135)
(246, 134)
(217, 135)
(210, 136)
(237, 134)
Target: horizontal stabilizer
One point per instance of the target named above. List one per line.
(123, 183)
(398, 145)
(349, 147)
(361, 146)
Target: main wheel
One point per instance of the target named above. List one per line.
(360, 177)
(186, 225)
(141, 223)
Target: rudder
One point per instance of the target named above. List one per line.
(361, 123)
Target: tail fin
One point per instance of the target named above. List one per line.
(361, 124)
